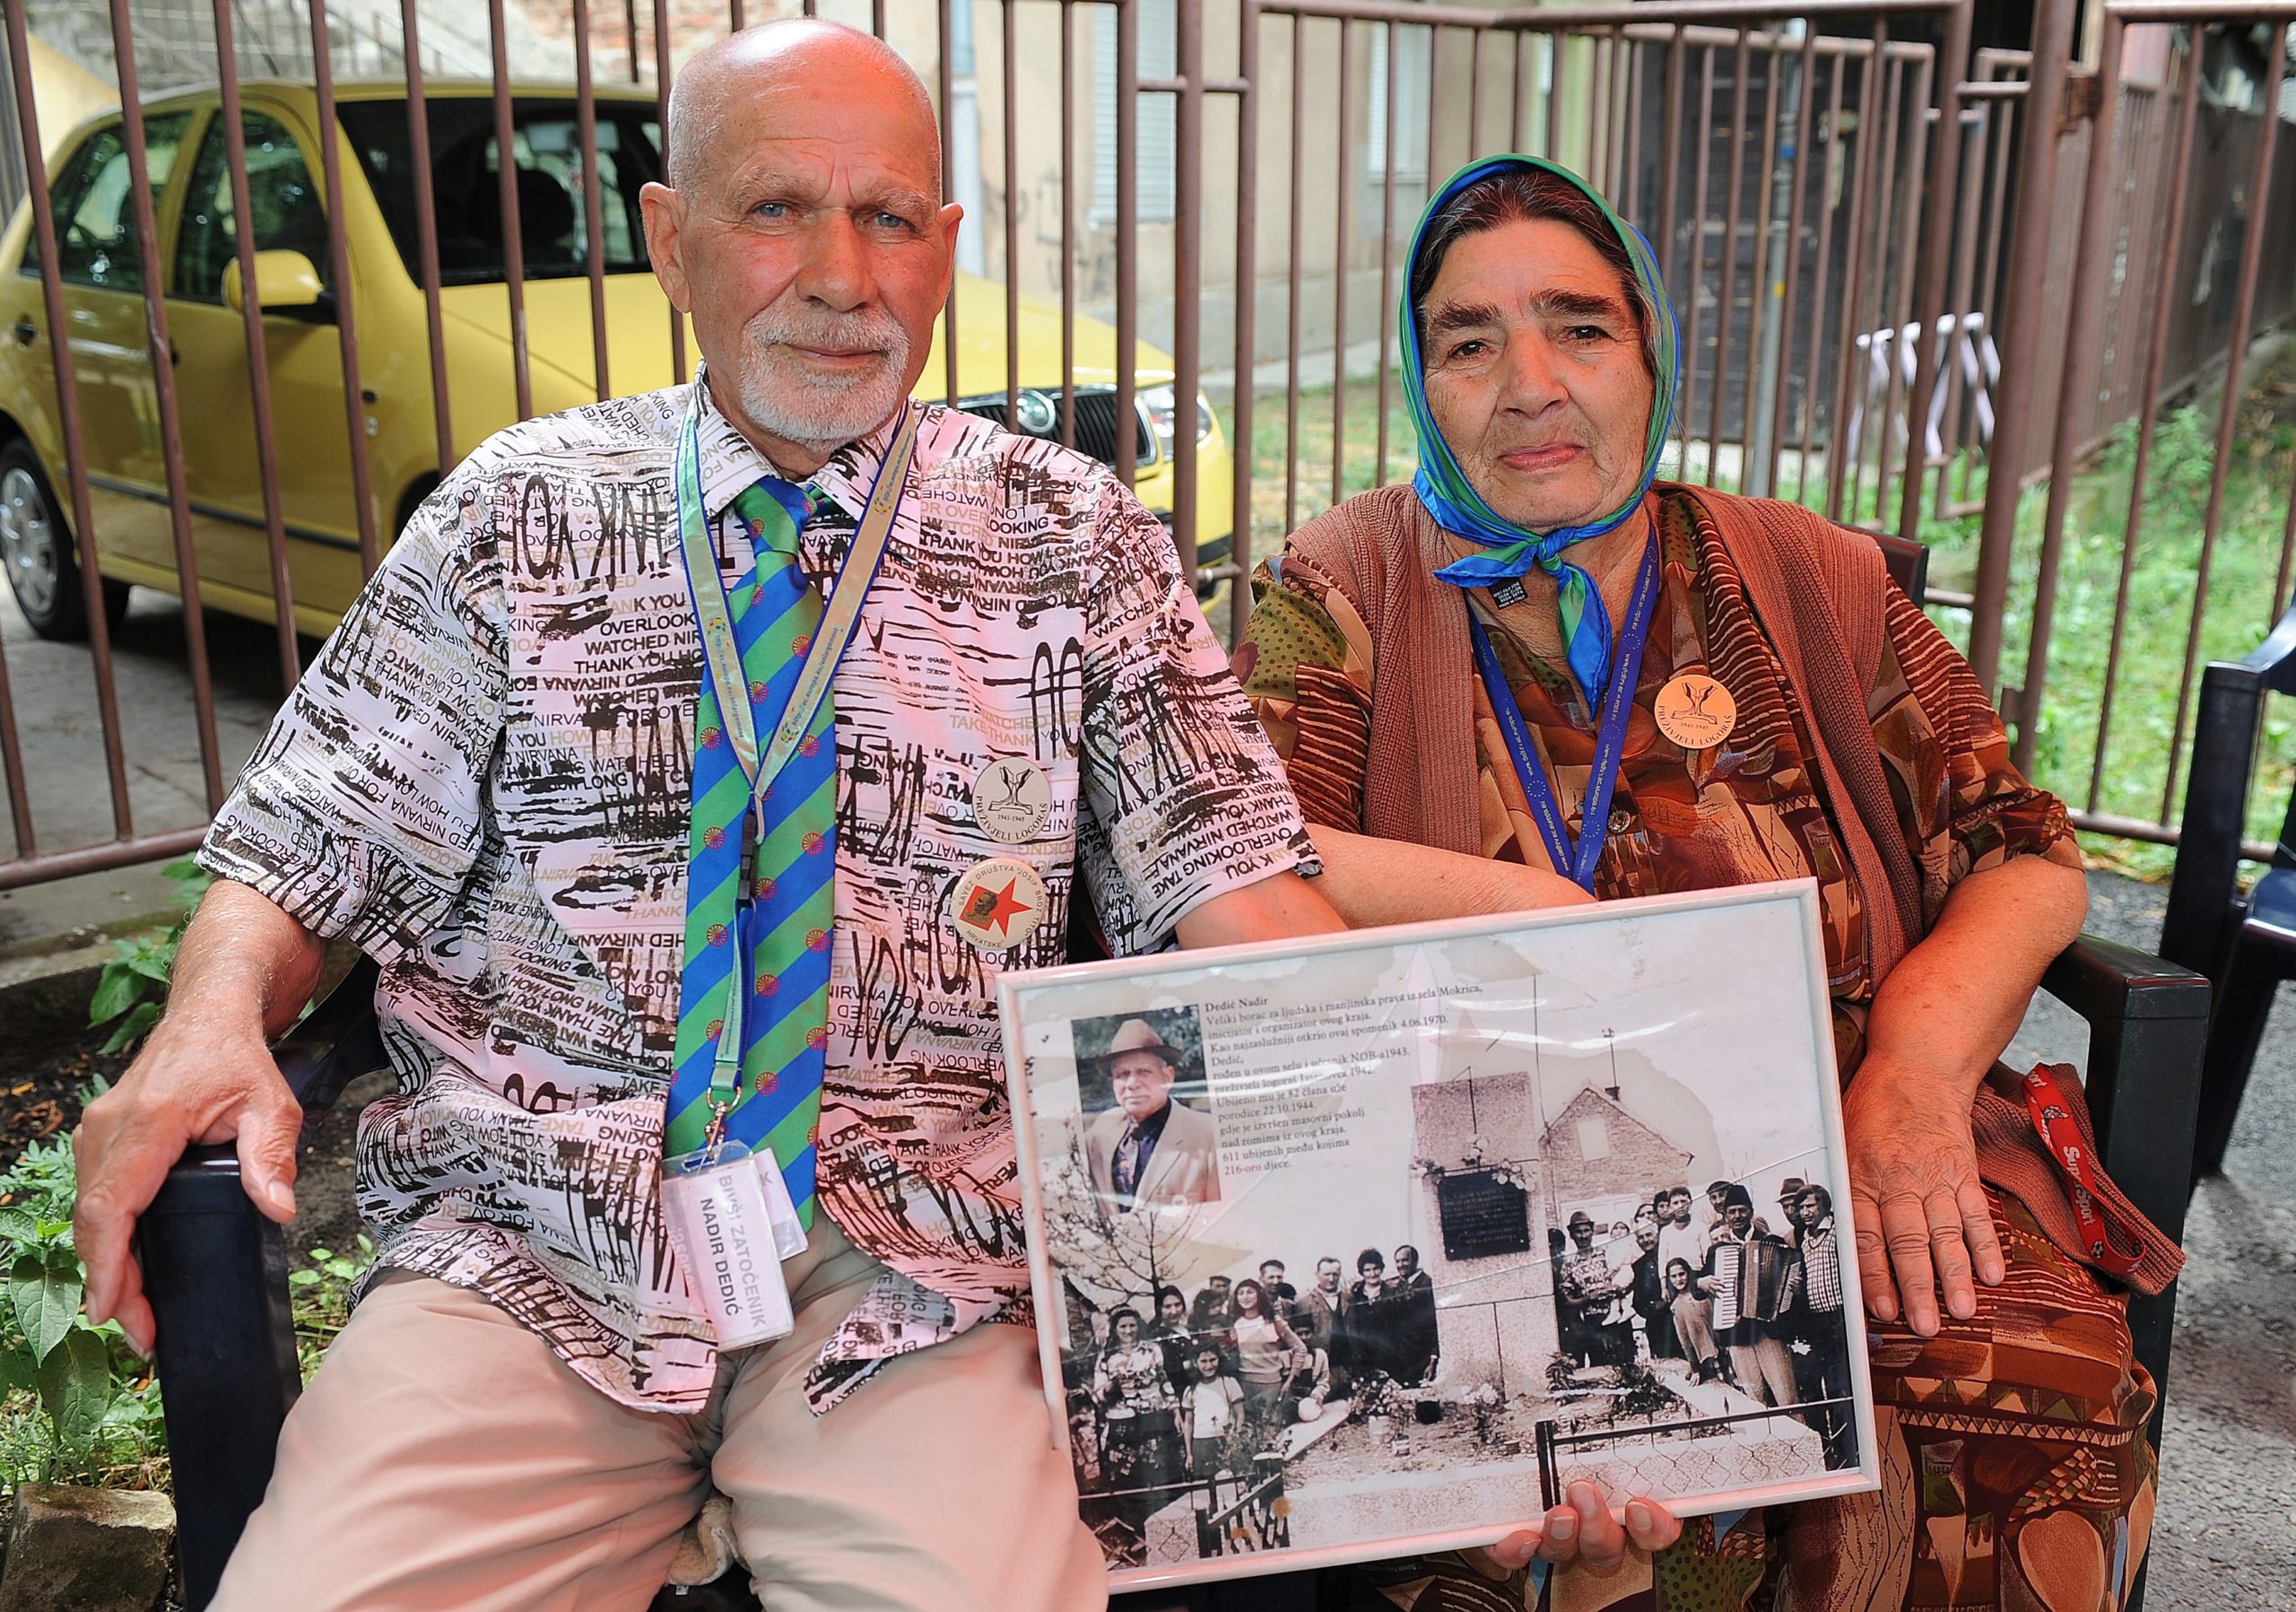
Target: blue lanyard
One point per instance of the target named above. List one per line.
(1577, 861)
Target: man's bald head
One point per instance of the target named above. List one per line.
(803, 232)
(796, 53)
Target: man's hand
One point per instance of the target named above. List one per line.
(1582, 1530)
(176, 1094)
(206, 1075)
(1923, 1221)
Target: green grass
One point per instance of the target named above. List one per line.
(1359, 457)
(2244, 572)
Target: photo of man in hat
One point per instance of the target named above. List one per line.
(1147, 1149)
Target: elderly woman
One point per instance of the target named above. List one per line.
(1535, 676)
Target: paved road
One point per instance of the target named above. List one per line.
(61, 729)
(2226, 1536)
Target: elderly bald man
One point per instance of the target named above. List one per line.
(519, 775)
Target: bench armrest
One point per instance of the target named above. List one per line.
(2148, 1022)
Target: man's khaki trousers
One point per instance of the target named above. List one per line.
(443, 1459)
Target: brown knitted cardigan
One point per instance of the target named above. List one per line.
(1819, 593)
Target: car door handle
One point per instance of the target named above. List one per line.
(23, 330)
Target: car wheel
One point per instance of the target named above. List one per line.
(38, 553)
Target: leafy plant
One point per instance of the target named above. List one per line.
(133, 987)
(75, 1403)
(322, 1299)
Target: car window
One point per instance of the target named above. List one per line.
(466, 183)
(95, 213)
(283, 202)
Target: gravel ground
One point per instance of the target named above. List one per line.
(2224, 1539)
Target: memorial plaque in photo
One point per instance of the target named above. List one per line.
(1372, 1243)
(1483, 1212)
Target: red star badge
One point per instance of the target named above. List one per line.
(1005, 910)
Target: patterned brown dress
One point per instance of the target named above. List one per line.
(2016, 1473)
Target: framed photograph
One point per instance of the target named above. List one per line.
(1354, 1247)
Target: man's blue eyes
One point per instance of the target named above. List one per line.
(780, 210)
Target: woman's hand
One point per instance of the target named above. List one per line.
(1582, 1530)
(1923, 1221)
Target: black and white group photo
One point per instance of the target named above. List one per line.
(1715, 1294)
(1211, 1394)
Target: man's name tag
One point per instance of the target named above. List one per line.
(723, 1227)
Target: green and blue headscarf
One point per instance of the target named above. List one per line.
(1512, 551)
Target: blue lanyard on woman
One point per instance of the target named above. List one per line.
(1576, 861)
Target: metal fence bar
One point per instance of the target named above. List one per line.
(1068, 227)
(346, 318)
(2244, 299)
(2009, 111)
(1892, 74)
(1905, 257)
(426, 232)
(19, 872)
(2148, 409)
(266, 447)
(1009, 86)
(1759, 300)
(1127, 232)
(1686, 405)
(1956, 296)
(1387, 226)
(1187, 285)
(1552, 150)
(1240, 592)
(1344, 238)
(1805, 96)
(1871, 88)
(586, 125)
(944, 72)
(1826, 215)
(2022, 318)
(2086, 299)
(506, 190)
(662, 121)
(1740, 67)
(68, 418)
(1293, 288)
(1474, 102)
(1670, 142)
(163, 387)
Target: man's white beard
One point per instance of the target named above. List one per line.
(780, 397)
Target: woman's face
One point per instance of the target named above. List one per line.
(1534, 373)
(1250, 1298)
(1128, 1331)
(1677, 1275)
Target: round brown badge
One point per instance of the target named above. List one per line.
(1011, 800)
(1695, 711)
(998, 903)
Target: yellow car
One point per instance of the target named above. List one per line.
(101, 267)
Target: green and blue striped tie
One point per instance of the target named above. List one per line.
(776, 944)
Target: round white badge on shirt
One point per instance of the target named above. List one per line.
(1011, 800)
(998, 903)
